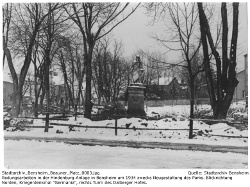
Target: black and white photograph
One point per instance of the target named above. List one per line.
(125, 85)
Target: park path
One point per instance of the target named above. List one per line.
(137, 144)
(26, 154)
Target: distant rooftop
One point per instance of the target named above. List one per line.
(167, 80)
(7, 77)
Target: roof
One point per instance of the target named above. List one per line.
(167, 80)
(7, 77)
(242, 71)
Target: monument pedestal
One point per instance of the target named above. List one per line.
(136, 100)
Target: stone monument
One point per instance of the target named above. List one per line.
(136, 91)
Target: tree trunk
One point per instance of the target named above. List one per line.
(36, 107)
(18, 82)
(88, 100)
(221, 104)
(18, 103)
(191, 107)
(225, 59)
(42, 98)
(70, 95)
(15, 81)
(65, 76)
(37, 93)
(82, 99)
(220, 112)
(47, 88)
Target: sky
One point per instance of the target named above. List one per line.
(135, 34)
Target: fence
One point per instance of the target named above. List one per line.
(153, 103)
(127, 127)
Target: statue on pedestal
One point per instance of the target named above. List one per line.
(136, 90)
(138, 75)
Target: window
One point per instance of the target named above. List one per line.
(243, 94)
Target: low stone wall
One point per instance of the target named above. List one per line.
(159, 103)
(155, 103)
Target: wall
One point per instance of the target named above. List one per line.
(246, 74)
(158, 103)
(7, 91)
(241, 86)
(175, 102)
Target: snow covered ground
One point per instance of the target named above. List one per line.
(52, 155)
(180, 121)
(173, 135)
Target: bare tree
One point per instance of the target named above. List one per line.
(52, 29)
(38, 74)
(154, 70)
(63, 65)
(26, 21)
(70, 57)
(183, 21)
(199, 80)
(225, 70)
(109, 71)
(95, 20)
(7, 14)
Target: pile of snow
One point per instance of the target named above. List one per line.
(240, 105)
(240, 116)
(238, 111)
(170, 110)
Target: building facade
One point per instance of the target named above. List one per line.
(241, 91)
(7, 93)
